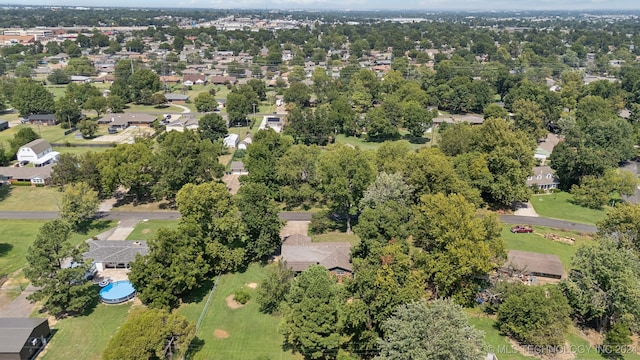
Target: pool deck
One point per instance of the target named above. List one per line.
(113, 274)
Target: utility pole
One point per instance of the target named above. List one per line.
(254, 113)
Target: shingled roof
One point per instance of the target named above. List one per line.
(537, 264)
(115, 251)
(300, 253)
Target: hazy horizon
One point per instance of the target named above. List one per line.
(356, 5)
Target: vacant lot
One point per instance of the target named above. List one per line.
(86, 337)
(248, 334)
(27, 198)
(536, 242)
(559, 206)
(145, 230)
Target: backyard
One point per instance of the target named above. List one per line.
(559, 206)
(240, 333)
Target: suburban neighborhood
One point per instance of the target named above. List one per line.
(280, 184)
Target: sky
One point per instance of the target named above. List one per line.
(357, 4)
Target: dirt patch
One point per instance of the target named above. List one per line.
(252, 285)
(232, 303)
(220, 334)
(146, 231)
(559, 238)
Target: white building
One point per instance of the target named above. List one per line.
(38, 152)
(231, 140)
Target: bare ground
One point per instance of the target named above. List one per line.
(232, 303)
(252, 285)
(220, 334)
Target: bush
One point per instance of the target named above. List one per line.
(321, 223)
(242, 296)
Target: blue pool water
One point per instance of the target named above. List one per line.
(117, 292)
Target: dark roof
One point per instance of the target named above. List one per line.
(24, 173)
(547, 176)
(42, 117)
(237, 166)
(300, 253)
(37, 145)
(117, 251)
(536, 263)
(14, 332)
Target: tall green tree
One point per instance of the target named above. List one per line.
(346, 173)
(310, 315)
(205, 102)
(130, 166)
(259, 213)
(79, 203)
(529, 117)
(32, 98)
(603, 286)
(409, 333)
(98, 104)
(24, 136)
(88, 128)
(297, 175)
(151, 334)
(273, 290)
(68, 111)
(212, 127)
(458, 247)
(56, 268)
(622, 224)
(262, 157)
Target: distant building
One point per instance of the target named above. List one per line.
(42, 119)
(231, 140)
(123, 121)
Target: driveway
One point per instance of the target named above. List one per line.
(185, 110)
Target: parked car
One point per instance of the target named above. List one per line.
(521, 229)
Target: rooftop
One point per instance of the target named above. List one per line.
(116, 251)
(300, 253)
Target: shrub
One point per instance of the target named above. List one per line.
(242, 296)
(322, 223)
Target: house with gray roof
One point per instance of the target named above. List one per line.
(123, 121)
(40, 175)
(114, 254)
(23, 338)
(300, 253)
(544, 178)
(534, 264)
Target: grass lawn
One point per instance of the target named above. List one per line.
(336, 236)
(148, 109)
(536, 242)
(368, 145)
(558, 206)
(79, 150)
(146, 229)
(27, 198)
(493, 339)
(250, 333)
(50, 133)
(18, 235)
(86, 337)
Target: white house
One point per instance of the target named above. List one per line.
(38, 152)
(231, 140)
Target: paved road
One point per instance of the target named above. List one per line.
(286, 215)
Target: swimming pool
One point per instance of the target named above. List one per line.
(117, 292)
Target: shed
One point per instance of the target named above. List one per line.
(535, 264)
(23, 338)
(231, 140)
(237, 167)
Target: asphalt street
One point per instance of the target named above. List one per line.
(287, 216)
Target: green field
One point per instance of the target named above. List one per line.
(18, 235)
(86, 337)
(336, 236)
(250, 333)
(28, 198)
(536, 242)
(147, 229)
(558, 206)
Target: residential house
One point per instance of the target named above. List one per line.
(42, 119)
(194, 79)
(458, 119)
(300, 253)
(272, 122)
(183, 122)
(123, 121)
(114, 254)
(37, 152)
(231, 140)
(237, 168)
(37, 176)
(544, 178)
(23, 338)
(80, 79)
(534, 264)
(170, 79)
(176, 97)
(223, 80)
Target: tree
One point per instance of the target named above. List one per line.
(151, 334)
(238, 107)
(262, 157)
(205, 102)
(115, 103)
(310, 315)
(379, 126)
(458, 247)
(68, 111)
(456, 139)
(24, 136)
(59, 77)
(535, 315)
(79, 203)
(143, 80)
(298, 93)
(66, 170)
(387, 187)
(297, 175)
(212, 127)
(183, 158)
(346, 173)
(130, 166)
(408, 334)
(416, 118)
(259, 213)
(622, 224)
(529, 117)
(88, 128)
(273, 290)
(32, 98)
(176, 264)
(57, 269)
(97, 103)
(603, 285)
(595, 192)
(495, 111)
